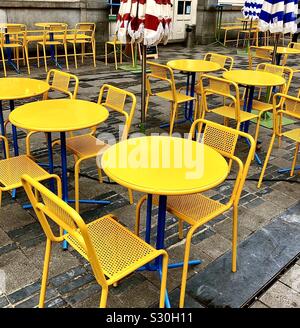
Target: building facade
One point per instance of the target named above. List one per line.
(201, 13)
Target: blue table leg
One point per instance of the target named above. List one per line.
(2, 128)
(52, 52)
(286, 170)
(186, 110)
(191, 105)
(148, 219)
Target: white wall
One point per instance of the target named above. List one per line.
(3, 18)
(232, 2)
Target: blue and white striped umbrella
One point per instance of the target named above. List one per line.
(279, 16)
(252, 9)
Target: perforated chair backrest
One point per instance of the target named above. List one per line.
(283, 71)
(163, 73)
(224, 140)
(15, 32)
(290, 106)
(60, 81)
(222, 87)
(50, 207)
(222, 60)
(116, 99)
(87, 28)
(258, 52)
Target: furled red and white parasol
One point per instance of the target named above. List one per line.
(147, 22)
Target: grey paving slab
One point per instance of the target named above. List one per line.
(260, 257)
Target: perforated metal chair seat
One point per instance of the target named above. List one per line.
(12, 169)
(118, 250)
(193, 208)
(229, 112)
(12, 45)
(86, 145)
(293, 134)
(168, 95)
(259, 105)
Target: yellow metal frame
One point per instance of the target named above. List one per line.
(87, 146)
(197, 209)
(116, 43)
(58, 81)
(295, 45)
(113, 251)
(258, 52)
(83, 34)
(289, 106)
(11, 166)
(18, 39)
(59, 32)
(165, 74)
(222, 60)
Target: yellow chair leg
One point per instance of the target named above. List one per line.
(163, 285)
(147, 103)
(0, 198)
(3, 61)
(138, 215)
(45, 274)
(266, 161)
(76, 182)
(82, 52)
(27, 59)
(105, 53)
(185, 267)
(132, 55)
(45, 58)
(100, 177)
(38, 54)
(295, 159)
(94, 53)
(103, 300)
(180, 229)
(66, 55)
(75, 55)
(173, 115)
(115, 55)
(121, 57)
(234, 237)
(130, 195)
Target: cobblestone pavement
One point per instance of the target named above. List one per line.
(71, 282)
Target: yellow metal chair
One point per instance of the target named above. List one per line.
(295, 45)
(87, 146)
(118, 44)
(227, 27)
(113, 251)
(165, 74)
(226, 62)
(54, 35)
(62, 82)
(198, 209)
(289, 106)
(260, 53)
(230, 92)
(12, 168)
(263, 105)
(84, 34)
(17, 40)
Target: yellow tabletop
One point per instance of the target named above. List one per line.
(59, 115)
(21, 88)
(164, 165)
(283, 50)
(254, 78)
(193, 65)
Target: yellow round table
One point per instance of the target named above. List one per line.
(164, 166)
(46, 24)
(251, 79)
(282, 51)
(12, 89)
(191, 67)
(61, 116)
